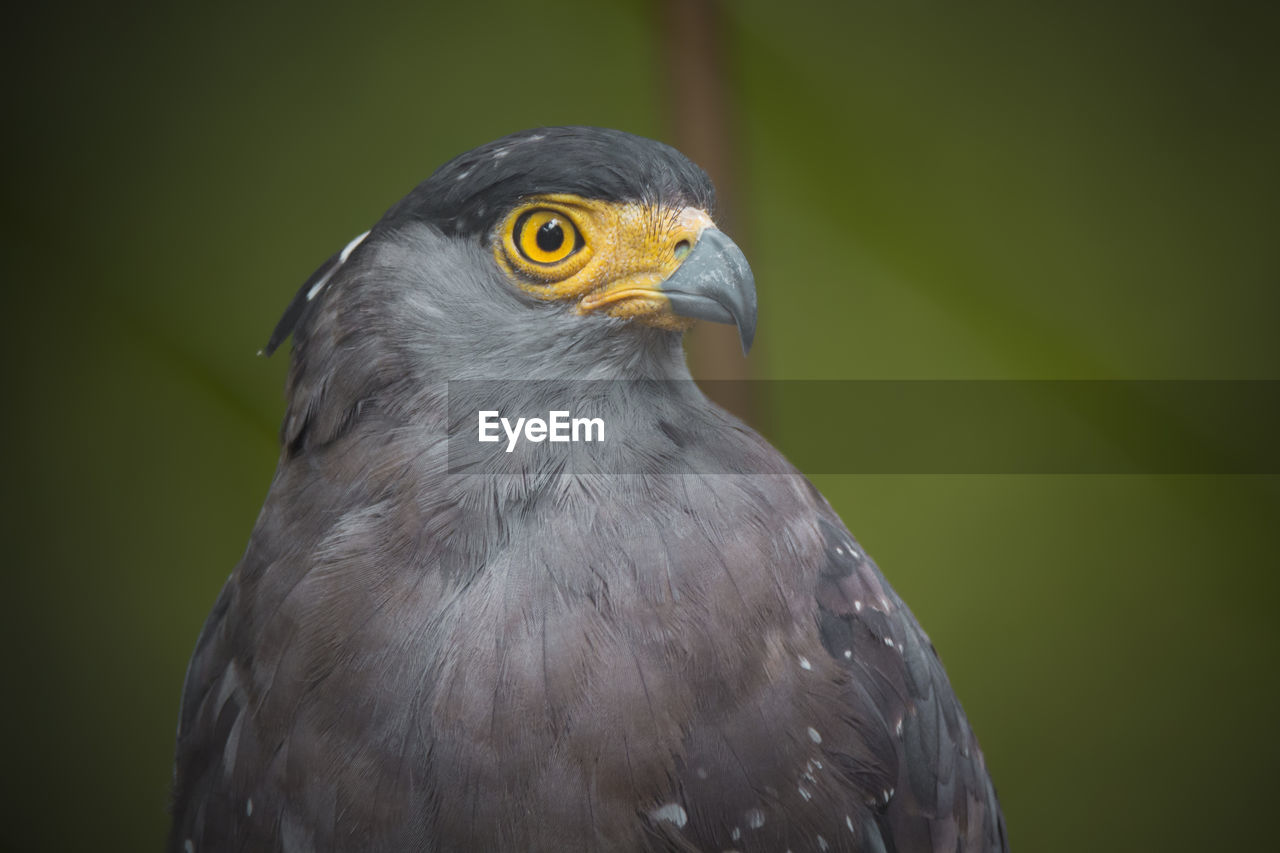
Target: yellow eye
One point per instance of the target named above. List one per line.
(545, 236)
(546, 241)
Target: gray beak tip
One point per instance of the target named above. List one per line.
(715, 283)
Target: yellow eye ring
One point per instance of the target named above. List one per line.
(544, 241)
(545, 236)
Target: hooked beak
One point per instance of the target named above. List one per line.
(715, 283)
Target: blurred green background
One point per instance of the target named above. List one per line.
(925, 189)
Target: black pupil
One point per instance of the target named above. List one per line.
(550, 236)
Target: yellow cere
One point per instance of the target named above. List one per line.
(607, 256)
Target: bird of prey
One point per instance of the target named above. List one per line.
(674, 644)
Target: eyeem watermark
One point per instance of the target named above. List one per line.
(559, 426)
(1149, 427)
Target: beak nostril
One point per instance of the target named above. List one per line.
(682, 249)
